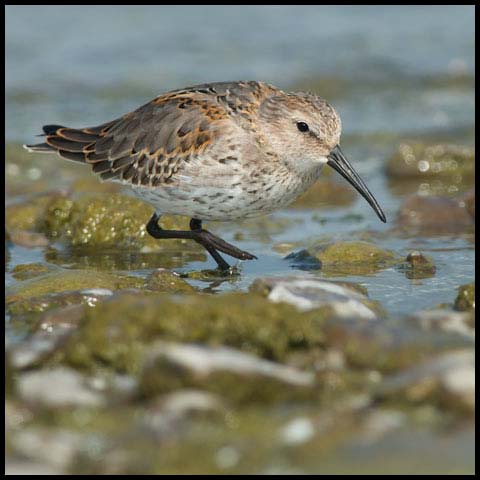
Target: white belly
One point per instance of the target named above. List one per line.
(225, 200)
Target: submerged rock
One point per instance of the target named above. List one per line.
(52, 330)
(466, 297)
(433, 216)
(232, 373)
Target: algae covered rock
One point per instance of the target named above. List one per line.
(445, 319)
(351, 258)
(346, 300)
(24, 271)
(447, 380)
(466, 297)
(417, 266)
(64, 288)
(116, 332)
(164, 280)
(239, 376)
(108, 220)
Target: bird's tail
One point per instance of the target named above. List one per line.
(70, 143)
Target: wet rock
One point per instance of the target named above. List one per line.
(24, 271)
(433, 215)
(109, 220)
(21, 306)
(461, 323)
(306, 293)
(117, 332)
(417, 266)
(325, 193)
(52, 330)
(284, 247)
(466, 297)
(304, 260)
(163, 280)
(239, 376)
(64, 288)
(447, 380)
(350, 258)
(54, 448)
(58, 387)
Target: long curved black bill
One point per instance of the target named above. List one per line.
(338, 162)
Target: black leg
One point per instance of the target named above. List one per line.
(209, 241)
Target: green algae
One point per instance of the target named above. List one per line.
(25, 271)
(69, 280)
(465, 300)
(115, 332)
(353, 258)
(60, 288)
(108, 220)
(163, 280)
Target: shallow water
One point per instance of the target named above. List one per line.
(394, 74)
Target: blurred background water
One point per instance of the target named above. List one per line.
(91, 63)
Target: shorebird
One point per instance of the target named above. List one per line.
(218, 151)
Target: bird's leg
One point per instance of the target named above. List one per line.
(209, 241)
(204, 237)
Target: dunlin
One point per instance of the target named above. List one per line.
(218, 151)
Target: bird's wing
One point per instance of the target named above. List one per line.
(147, 146)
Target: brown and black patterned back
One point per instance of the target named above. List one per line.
(147, 146)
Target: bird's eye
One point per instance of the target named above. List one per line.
(302, 126)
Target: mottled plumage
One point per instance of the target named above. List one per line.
(219, 151)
